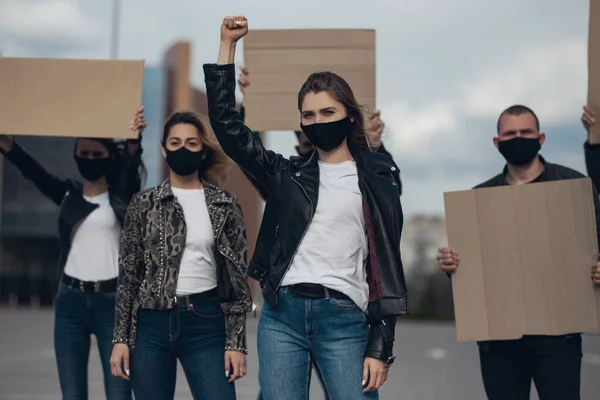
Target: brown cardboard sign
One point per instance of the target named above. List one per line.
(279, 61)
(526, 254)
(66, 97)
(594, 65)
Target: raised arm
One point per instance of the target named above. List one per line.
(238, 141)
(374, 130)
(591, 147)
(48, 184)
(129, 167)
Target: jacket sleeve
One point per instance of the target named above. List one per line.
(261, 190)
(128, 178)
(48, 184)
(235, 312)
(238, 141)
(130, 258)
(383, 150)
(381, 339)
(592, 162)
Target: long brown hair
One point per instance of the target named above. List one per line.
(340, 90)
(216, 163)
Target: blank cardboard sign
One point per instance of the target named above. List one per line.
(526, 254)
(594, 64)
(279, 61)
(65, 97)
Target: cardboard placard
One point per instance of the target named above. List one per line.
(526, 255)
(593, 99)
(66, 97)
(279, 61)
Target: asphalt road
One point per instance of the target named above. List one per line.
(430, 364)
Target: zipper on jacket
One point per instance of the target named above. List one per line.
(219, 235)
(301, 238)
(164, 256)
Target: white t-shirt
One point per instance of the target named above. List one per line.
(94, 254)
(334, 250)
(197, 272)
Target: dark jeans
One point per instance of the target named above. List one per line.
(78, 315)
(194, 335)
(552, 362)
(331, 333)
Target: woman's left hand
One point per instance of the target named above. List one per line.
(236, 361)
(374, 373)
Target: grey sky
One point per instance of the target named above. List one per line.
(445, 69)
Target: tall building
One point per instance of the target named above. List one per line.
(153, 100)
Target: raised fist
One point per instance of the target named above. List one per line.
(234, 28)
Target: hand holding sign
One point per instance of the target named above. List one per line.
(589, 121)
(6, 143)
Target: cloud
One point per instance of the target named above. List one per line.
(552, 80)
(44, 28)
(445, 144)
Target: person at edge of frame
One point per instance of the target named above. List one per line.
(183, 291)
(89, 225)
(343, 202)
(553, 363)
(305, 148)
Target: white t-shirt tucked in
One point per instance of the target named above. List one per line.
(94, 254)
(197, 272)
(334, 249)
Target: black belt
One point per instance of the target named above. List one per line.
(315, 291)
(108, 286)
(188, 299)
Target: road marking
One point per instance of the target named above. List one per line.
(437, 354)
(591, 358)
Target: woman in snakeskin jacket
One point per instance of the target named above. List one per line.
(183, 291)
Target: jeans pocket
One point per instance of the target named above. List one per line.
(112, 296)
(207, 309)
(63, 289)
(344, 304)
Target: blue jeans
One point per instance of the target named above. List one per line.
(77, 316)
(331, 332)
(194, 335)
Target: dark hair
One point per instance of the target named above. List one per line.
(518, 109)
(339, 89)
(115, 153)
(216, 162)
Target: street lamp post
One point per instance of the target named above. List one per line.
(114, 32)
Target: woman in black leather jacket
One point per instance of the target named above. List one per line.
(328, 251)
(89, 225)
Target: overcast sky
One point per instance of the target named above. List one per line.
(445, 69)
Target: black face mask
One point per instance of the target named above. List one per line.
(328, 135)
(92, 169)
(519, 151)
(183, 161)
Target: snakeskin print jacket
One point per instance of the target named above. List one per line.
(152, 244)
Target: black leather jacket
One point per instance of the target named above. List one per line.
(68, 193)
(291, 188)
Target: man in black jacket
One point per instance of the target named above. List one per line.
(552, 362)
